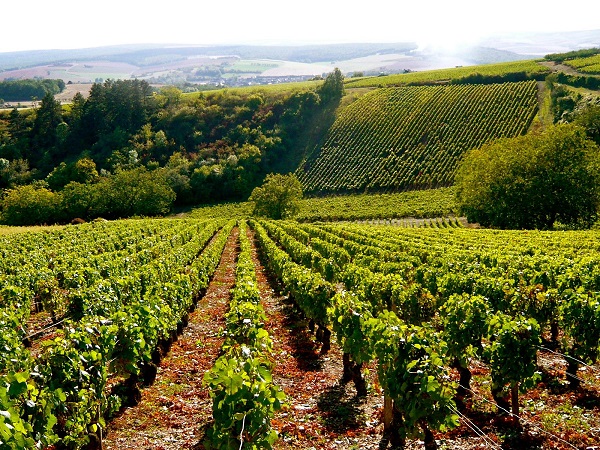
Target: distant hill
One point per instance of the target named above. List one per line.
(540, 44)
(195, 64)
(239, 65)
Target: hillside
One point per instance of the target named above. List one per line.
(413, 137)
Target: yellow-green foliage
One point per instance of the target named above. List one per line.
(419, 204)
(590, 64)
(427, 203)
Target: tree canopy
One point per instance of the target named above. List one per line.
(531, 181)
(278, 198)
(333, 87)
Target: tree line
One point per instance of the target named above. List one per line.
(25, 90)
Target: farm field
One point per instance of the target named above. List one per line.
(372, 321)
(324, 295)
(529, 69)
(588, 65)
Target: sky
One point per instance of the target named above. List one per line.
(69, 24)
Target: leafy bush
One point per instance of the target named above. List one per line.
(278, 198)
(30, 205)
(531, 181)
(134, 192)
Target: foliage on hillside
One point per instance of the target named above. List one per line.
(416, 204)
(413, 137)
(209, 147)
(575, 54)
(532, 181)
(132, 192)
(25, 90)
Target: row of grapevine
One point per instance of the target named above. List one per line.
(428, 300)
(419, 204)
(369, 331)
(61, 396)
(244, 396)
(557, 287)
(398, 138)
(311, 291)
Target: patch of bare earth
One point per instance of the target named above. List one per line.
(175, 410)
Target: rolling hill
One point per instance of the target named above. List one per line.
(237, 65)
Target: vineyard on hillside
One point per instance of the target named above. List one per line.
(476, 331)
(528, 69)
(413, 137)
(428, 203)
(588, 65)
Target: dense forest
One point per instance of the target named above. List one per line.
(202, 148)
(18, 90)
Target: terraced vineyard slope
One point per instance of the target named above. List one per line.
(413, 137)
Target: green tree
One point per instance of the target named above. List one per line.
(82, 171)
(15, 173)
(79, 200)
(47, 119)
(278, 198)
(588, 117)
(531, 181)
(177, 172)
(333, 87)
(134, 192)
(29, 205)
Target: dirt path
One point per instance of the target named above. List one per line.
(556, 67)
(174, 411)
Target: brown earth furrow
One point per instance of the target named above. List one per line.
(322, 413)
(174, 411)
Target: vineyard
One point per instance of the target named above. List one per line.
(588, 65)
(413, 137)
(528, 69)
(427, 203)
(87, 313)
(464, 335)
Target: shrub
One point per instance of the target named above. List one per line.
(30, 205)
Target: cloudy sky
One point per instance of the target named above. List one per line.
(44, 24)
